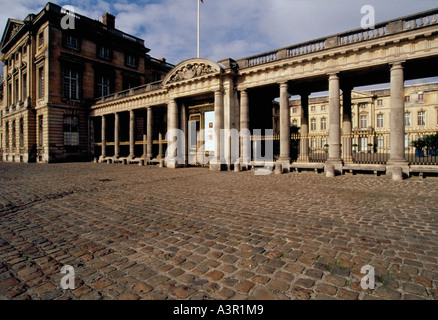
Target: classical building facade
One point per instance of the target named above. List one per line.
(222, 114)
(199, 95)
(54, 73)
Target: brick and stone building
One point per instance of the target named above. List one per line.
(52, 75)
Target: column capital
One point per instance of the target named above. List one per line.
(333, 75)
(397, 64)
(219, 91)
(284, 84)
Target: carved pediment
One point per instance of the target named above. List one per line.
(191, 69)
(12, 28)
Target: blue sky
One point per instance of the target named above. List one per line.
(230, 28)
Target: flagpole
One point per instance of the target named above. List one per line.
(199, 27)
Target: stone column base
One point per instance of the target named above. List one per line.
(336, 164)
(171, 163)
(215, 165)
(285, 163)
(404, 165)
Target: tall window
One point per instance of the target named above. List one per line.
(363, 122)
(71, 130)
(71, 84)
(380, 120)
(40, 131)
(9, 94)
(312, 108)
(380, 141)
(313, 125)
(407, 140)
(24, 86)
(422, 118)
(380, 102)
(21, 133)
(323, 123)
(407, 98)
(363, 143)
(41, 39)
(7, 134)
(103, 86)
(17, 91)
(322, 108)
(41, 83)
(14, 133)
(294, 110)
(407, 119)
(420, 97)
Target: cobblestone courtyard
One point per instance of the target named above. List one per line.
(135, 232)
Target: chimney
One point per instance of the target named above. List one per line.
(109, 20)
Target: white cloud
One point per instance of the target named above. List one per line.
(230, 28)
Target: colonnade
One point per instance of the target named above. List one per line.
(177, 119)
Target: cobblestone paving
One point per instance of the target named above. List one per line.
(135, 232)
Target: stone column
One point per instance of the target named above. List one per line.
(131, 134)
(284, 126)
(160, 145)
(244, 129)
(346, 124)
(149, 133)
(397, 133)
(116, 136)
(304, 130)
(334, 157)
(184, 129)
(216, 164)
(103, 156)
(172, 125)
